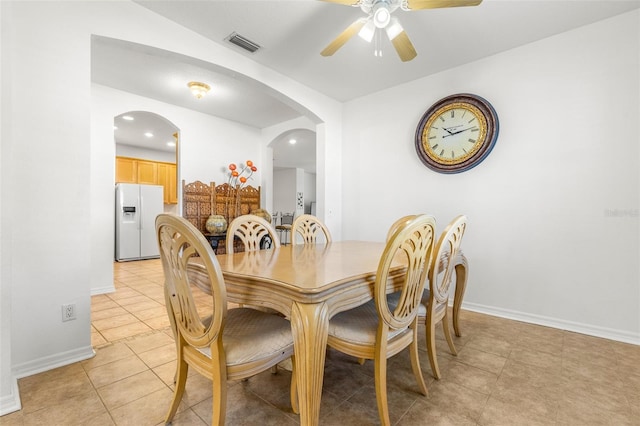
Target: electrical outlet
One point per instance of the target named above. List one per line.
(69, 312)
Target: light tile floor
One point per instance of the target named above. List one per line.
(506, 373)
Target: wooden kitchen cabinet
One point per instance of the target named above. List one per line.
(136, 170)
(168, 178)
(126, 170)
(147, 172)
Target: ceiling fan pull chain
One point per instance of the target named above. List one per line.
(378, 44)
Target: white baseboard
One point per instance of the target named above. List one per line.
(103, 290)
(10, 403)
(590, 330)
(54, 361)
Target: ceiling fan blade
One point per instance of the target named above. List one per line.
(404, 47)
(345, 2)
(339, 41)
(436, 4)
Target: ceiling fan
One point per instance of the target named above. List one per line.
(379, 18)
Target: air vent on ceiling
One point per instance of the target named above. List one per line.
(245, 43)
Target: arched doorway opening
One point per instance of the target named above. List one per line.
(294, 172)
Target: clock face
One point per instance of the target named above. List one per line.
(456, 133)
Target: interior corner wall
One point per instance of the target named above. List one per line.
(553, 234)
(9, 395)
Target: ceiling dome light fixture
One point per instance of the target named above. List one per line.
(198, 89)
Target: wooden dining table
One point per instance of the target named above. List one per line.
(308, 284)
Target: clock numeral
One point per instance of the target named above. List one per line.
(471, 140)
(465, 151)
(464, 113)
(471, 120)
(441, 153)
(435, 147)
(453, 113)
(441, 118)
(474, 129)
(453, 155)
(432, 137)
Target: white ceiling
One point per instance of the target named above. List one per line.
(292, 34)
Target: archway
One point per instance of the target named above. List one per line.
(294, 171)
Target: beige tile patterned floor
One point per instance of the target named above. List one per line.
(506, 373)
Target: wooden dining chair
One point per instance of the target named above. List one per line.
(436, 299)
(447, 258)
(221, 344)
(250, 230)
(284, 228)
(374, 330)
(309, 227)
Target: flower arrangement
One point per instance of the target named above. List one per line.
(237, 180)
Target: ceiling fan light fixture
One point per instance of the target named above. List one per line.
(367, 32)
(381, 14)
(394, 28)
(198, 89)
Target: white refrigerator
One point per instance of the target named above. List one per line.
(136, 209)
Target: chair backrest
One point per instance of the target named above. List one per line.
(286, 219)
(413, 240)
(400, 222)
(180, 244)
(308, 227)
(250, 230)
(446, 251)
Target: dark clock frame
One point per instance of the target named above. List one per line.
(489, 142)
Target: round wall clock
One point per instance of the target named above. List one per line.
(457, 133)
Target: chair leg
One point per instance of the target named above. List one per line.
(294, 387)
(431, 348)
(415, 366)
(447, 334)
(219, 382)
(462, 269)
(181, 380)
(381, 389)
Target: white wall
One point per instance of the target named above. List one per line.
(47, 188)
(284, 190)
(145, 154)
(59, 173)
(544, 241)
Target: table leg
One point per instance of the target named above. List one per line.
(462, 271)
(310, 325)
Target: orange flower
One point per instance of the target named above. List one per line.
(254, 169)
(235, 173)
(249, 163)
(232, 166)
(243, 179)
